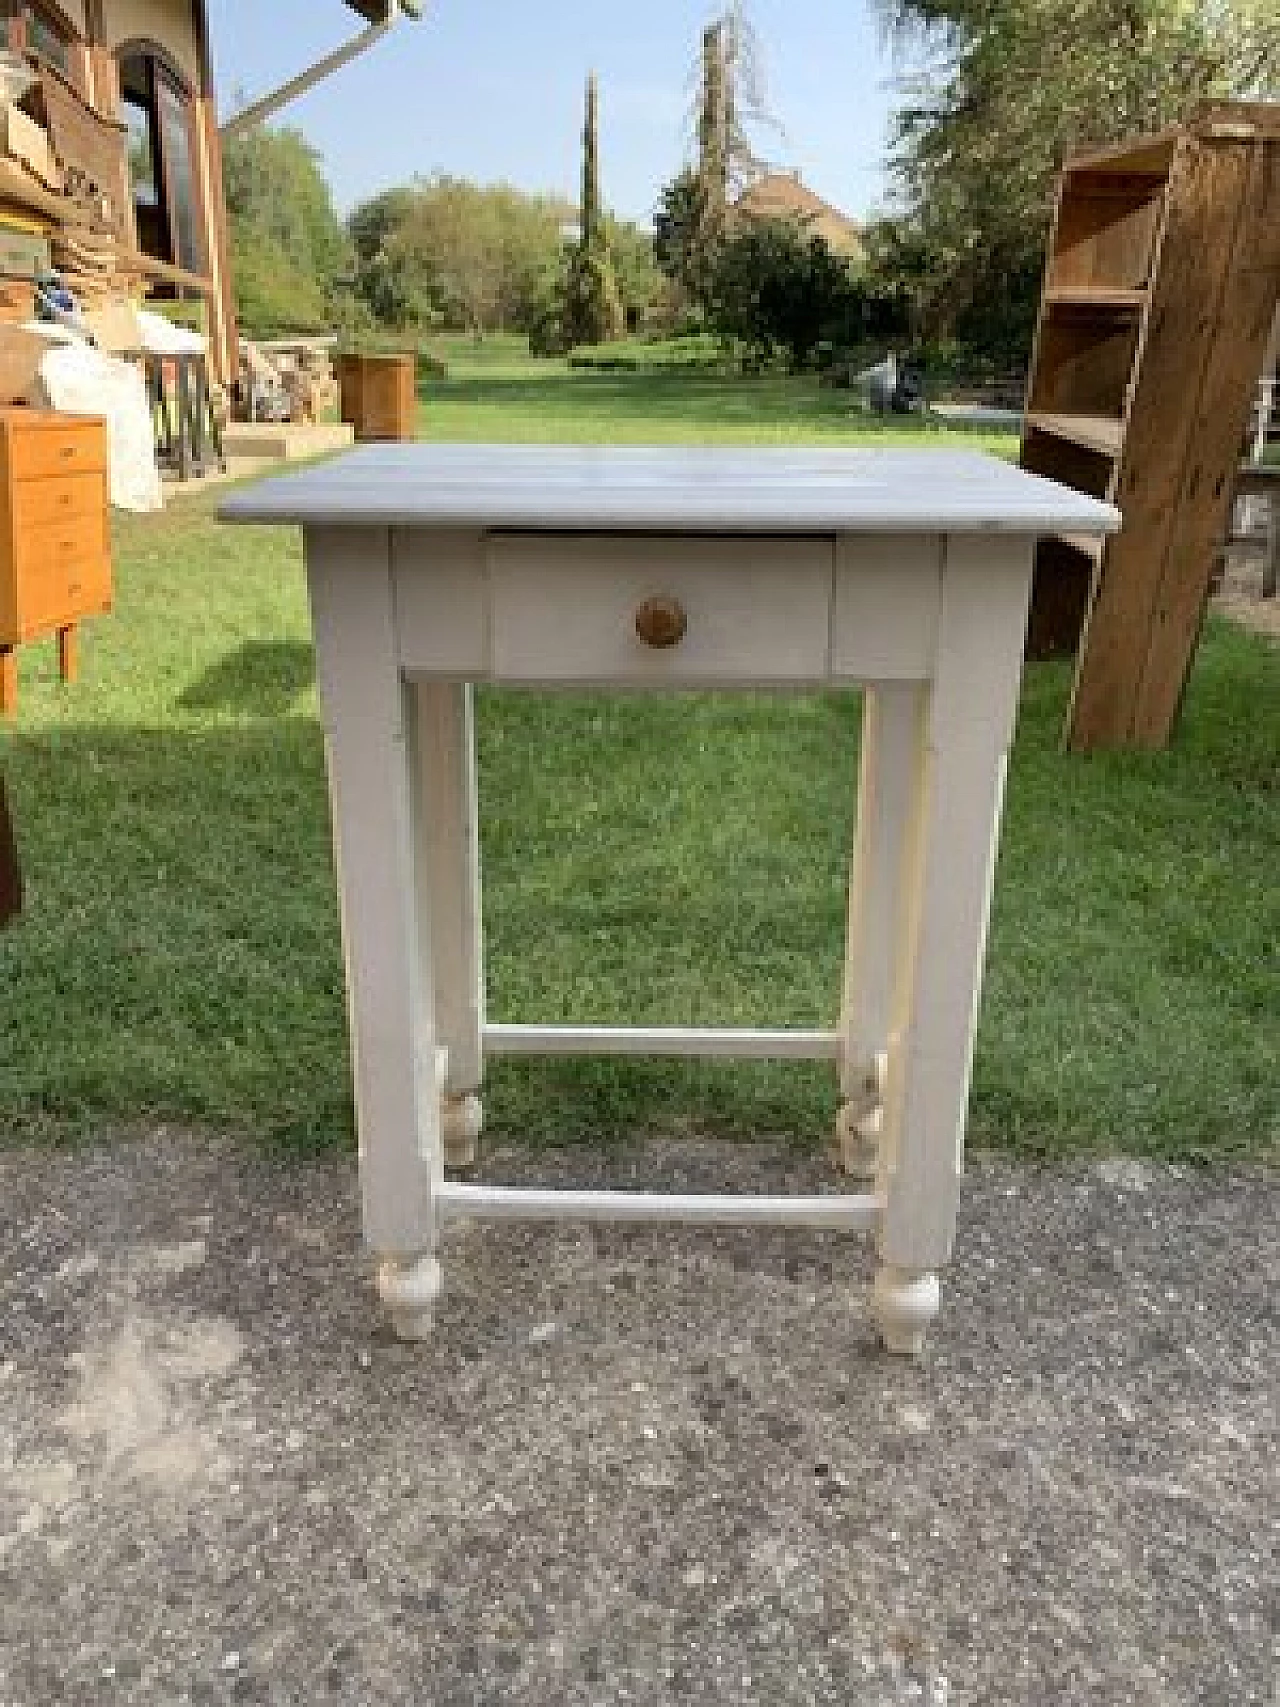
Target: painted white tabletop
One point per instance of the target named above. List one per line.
(683, 489)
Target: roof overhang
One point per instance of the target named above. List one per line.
(378, 11)
(380, 16)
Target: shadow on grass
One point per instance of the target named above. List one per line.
(265, 678)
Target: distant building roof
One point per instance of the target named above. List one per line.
(781, 195)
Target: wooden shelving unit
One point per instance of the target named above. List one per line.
(1162, 279)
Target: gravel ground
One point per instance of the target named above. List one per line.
(633, 1465)
(1240, 594)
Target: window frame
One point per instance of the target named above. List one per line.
(16, 17)
(161, 68)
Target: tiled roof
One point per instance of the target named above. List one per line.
(781, 195)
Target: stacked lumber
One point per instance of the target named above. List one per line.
(64, 189)
(287, 380)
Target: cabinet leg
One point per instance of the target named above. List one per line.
(8, 681)
(69, 653)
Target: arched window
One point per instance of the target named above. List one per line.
(159, 109)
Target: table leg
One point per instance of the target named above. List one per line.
(68, 653)
(877, 889)
(1271, 549)
(448, 834)
(962, 726)
(184, 419)
(373, 769)
(8, 681)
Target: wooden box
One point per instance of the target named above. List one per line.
(55, 560)
(379, 395)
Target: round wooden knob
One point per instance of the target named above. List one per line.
(661, 622)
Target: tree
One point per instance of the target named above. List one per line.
(693, 216)
(447, 252)
(1005, 88)
(593, 311)
(635, 267)
(779, 291)
(290, 255)
(732, 99)
(679, 236)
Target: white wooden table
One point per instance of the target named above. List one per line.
(432, 568)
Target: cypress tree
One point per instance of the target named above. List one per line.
(592, 306)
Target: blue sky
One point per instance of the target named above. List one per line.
(492, 89)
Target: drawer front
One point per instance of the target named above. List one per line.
(577, 609)
(54, 503)
(66, 581)
(37, 453)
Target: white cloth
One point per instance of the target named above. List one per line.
(160, 337)
(80, 380)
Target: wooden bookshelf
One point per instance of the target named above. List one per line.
(1161, 281)
(1101, 433)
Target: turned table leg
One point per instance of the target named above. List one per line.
(69, 653)
(369, 725)
(962, 725)
(448, 837)
(877, 898)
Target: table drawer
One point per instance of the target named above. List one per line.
(67, 584)
(44, 503)
(577, 608)
(71, 447)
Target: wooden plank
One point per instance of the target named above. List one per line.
(1152, 153)
(701, 1042)
(846, 1214)
(1106, 232)
(1123, 298)
(1242, 325)
(1204, 203)
(1102, 433)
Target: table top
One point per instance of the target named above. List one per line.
(682, 489)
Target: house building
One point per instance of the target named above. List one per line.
(782, 196)
(139, 72)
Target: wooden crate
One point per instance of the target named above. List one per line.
(55, 560)
(1162, 280)
(378, 395)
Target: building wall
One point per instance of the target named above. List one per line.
(170, 23)
(176, 26)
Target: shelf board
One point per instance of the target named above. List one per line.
(1146, 156)
(1101, 433)
(1085, 543)
(1127, 298)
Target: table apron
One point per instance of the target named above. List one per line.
(544, 610)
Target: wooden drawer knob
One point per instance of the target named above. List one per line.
(661, 622)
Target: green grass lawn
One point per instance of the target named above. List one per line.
(178, 959)
(494, 391)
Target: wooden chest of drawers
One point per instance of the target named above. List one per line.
(55, 559)
(379, 395)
